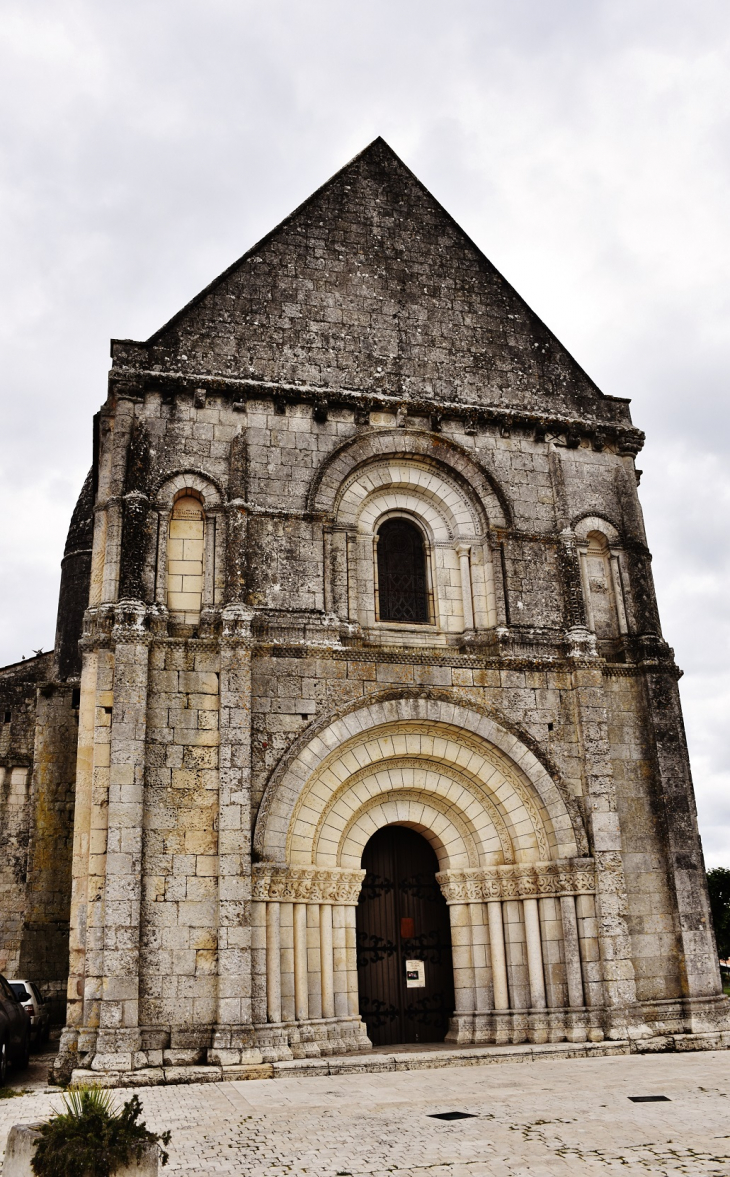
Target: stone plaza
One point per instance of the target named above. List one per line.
(543, 1118)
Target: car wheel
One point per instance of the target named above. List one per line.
(3, 1063)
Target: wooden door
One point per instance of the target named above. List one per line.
(402, 916)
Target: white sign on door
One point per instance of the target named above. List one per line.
(415, 974)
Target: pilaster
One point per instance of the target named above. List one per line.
(233, 1035)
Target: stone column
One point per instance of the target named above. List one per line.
(258, 963)
(273, 963)
(339, 954)
(462, 1026)
(163, 534)
(585, 581)
(301, 988)
(483, 990)
(463, 551)
(538, 1024)
(326, 960)
(236, 543)
(352, 577)
(208, 596)
(327, 568)
(534, 954)
(353, 1007)
(573, 973)
(618, 592)
(498, 956)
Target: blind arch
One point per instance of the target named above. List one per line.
(185, 558)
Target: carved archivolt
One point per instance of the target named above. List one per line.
(302, 884)
(538, 880)
(427, 728)
(486, 777)
(421, 765)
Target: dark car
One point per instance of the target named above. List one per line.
(14, 1032)
(31, 999)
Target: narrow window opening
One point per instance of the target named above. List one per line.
(8, 716)
(402, 587)
(75, 698)
(185, 554)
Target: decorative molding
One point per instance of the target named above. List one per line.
(141, 379)
(472, 785)
(539, 880)
(305, 884)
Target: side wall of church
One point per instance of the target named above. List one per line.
(37, 775)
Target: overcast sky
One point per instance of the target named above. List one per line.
(583, 144)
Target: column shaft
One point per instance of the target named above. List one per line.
(326, 960)
(573, 972)
(273, 962)
(534, 954)
(463, 551)
(462, 958)
(499, 960)
(301, 985)
(353, 1004)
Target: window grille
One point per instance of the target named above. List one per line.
(402, 573)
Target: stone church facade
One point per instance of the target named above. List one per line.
(360, 556)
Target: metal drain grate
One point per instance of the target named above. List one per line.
(452, 1115)
(650, 1099)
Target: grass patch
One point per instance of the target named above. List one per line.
(8, 1092)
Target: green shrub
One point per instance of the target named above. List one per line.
(91, 1138)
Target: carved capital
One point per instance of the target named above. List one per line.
(306, 884)
(521, 881)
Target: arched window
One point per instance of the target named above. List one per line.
(185, 551)
(402, 591)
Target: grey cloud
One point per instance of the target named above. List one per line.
(583, 146)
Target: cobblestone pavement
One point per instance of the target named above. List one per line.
(541, 1119)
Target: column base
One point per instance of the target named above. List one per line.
(234, 1046)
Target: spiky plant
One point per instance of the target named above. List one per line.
(92, 1138)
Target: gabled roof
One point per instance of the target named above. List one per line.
(370, 285)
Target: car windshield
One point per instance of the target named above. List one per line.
(20, 990)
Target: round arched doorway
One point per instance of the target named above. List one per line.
(404, 965)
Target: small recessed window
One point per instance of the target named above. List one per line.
(185, 549)
(402, 573)
(75, 698)
(8, 716)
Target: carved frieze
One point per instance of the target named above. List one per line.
(538, 880)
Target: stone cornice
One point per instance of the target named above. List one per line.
(538, 880)
(132, 382)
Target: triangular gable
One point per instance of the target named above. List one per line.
(371, 286)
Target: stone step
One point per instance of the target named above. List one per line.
(405, 1058)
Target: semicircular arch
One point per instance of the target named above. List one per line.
(461, 739)
(169, 488)
(378, 444)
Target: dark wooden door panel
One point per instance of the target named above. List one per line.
(402, 916)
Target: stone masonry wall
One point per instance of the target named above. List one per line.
(37, 771)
